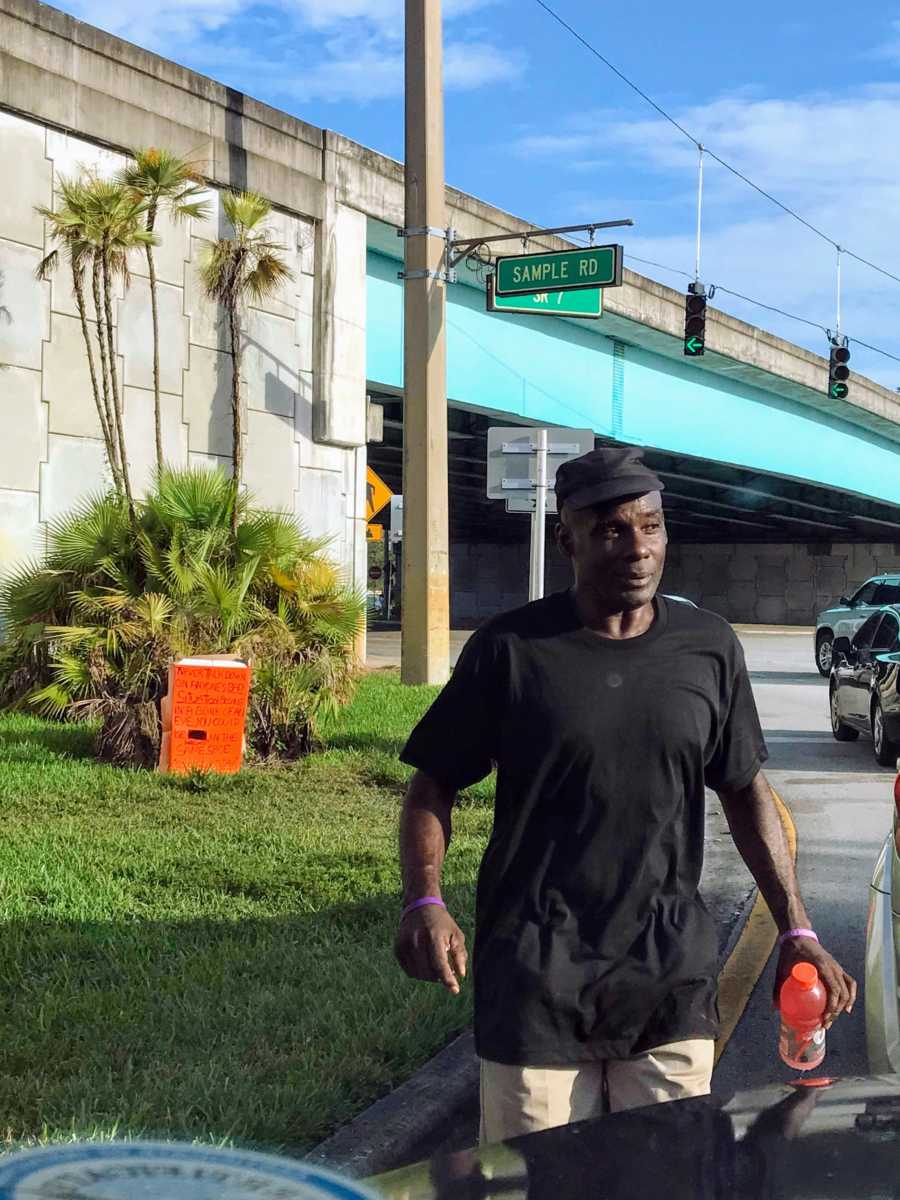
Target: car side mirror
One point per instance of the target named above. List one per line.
(844, 650)
(845, 600)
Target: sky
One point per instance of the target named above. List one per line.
(802, 98)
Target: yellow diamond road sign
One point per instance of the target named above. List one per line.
(377, 494)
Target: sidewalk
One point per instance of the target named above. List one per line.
(438, 1108)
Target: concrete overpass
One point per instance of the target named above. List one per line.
(755, 453)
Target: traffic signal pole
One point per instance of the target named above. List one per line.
(425, 636)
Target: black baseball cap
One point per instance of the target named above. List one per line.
(610, 473)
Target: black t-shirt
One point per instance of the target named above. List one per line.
(591, 939)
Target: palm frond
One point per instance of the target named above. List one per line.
(197, 210)
(268, 274)
(52, 701)
(272, 537)
(47, 266)
(99, 604)
(97, 529)
(32, 594)
(245, 210)
(154, 610)
(157, 172)
(196, 498)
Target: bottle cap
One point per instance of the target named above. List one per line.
(806, 975)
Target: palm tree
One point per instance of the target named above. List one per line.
(91, 630)
(235, 270)
(160, 179)
(68, 229)
(115, 226)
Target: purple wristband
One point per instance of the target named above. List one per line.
(421, 904)
(798, 933)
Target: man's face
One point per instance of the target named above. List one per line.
(618, 550)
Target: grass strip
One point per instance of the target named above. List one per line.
(211, 958)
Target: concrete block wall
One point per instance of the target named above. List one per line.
(51, 455)
(783, 584)
(777, 584)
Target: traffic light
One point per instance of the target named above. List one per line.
(694, 320)
(838, 372)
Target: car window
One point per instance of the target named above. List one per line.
(886, 638)
(866, 632)
(888, 593)
(866, 594)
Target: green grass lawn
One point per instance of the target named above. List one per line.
(212, 958)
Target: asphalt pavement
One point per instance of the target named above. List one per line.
(841, 802)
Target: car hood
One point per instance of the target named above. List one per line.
(791, 1141)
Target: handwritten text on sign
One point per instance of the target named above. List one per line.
(209, 710)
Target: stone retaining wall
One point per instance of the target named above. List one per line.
(783, 584)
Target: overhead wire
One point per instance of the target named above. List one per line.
(701, 145)
(772, 308)
(762, 304)
(782, 312)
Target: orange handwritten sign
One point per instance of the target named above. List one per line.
(204, 714)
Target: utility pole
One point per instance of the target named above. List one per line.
(425, 638)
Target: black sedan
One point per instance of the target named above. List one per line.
(865, 684)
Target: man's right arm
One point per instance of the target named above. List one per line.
(430, 945)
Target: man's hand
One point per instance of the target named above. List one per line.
(840, 986)
(431, 946)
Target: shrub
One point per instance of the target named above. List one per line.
(92, 630)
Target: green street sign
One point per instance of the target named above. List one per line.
(559, 271)
(587, 303)
(693, 346)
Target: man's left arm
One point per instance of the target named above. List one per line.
(759, 835)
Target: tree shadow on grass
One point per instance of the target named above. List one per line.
(269, 1032)
(26, 740)
(365, 741)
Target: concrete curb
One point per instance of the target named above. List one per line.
(385, 1135)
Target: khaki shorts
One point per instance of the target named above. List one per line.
(519, 1100)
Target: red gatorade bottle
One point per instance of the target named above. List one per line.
(802, 1003)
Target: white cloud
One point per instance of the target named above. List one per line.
(387, 15)
(157, 24)
(547, 145)
(371, 70)
(470, 65)
(329, 50)
(835, 159)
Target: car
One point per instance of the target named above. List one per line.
(848, 614)
(821, 1137)
(883, 954)
(864, 690)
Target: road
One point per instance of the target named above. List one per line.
(841, 803)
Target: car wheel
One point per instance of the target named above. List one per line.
(824, 650)
(885, 750)
(842, 732)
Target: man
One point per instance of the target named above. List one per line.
(607, 709)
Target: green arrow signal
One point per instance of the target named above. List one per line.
(839, 391)
(693, 345)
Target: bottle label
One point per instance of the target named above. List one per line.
(802, 1049)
